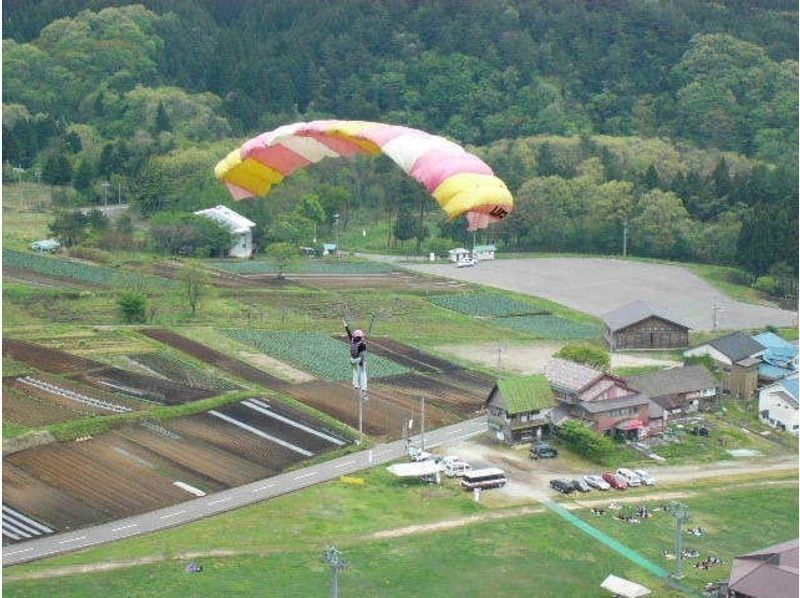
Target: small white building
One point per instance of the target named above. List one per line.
(778, 405)
(240, 227)
(484, 252)
(458, 254)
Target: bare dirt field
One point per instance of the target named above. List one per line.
(600, 285)
(271, 364)
(530, 359)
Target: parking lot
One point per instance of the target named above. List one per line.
(600, 285)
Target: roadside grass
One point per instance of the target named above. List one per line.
(280, 543)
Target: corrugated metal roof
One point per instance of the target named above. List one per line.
(674, 381)
(526, 393)
(790, 384)
(224, 215)
(772, 572)
(636, 311)
(568, 375)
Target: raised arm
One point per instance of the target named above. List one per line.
(347, 329)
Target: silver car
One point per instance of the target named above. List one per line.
(595, 481)
(646, 478)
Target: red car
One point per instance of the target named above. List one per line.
(614, 481)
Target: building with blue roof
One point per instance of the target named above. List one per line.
(780, 358)
(778, 404)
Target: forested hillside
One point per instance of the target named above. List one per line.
(679, 118)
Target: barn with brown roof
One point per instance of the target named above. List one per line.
(768, 573)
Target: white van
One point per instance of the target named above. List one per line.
(455, 469)
(629, 477)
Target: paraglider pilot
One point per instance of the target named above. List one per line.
(358, 357)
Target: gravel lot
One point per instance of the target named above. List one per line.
(600, 285)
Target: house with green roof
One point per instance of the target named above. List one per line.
(518, 408)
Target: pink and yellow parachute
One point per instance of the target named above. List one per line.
(460, 182)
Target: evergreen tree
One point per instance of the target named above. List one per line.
(83, 176)
(546, 164)
(57, 170)
(162, 120)
(651, 179)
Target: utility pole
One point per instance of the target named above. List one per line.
(625, 239)
(119, 192)
(336, 226)
(714, 309)
(106, 185)
(335, 559)
(423, 422)
(681, 514)
(360, 416)
(19, 170)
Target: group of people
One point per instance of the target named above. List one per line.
(709, 562)
(642, 512)
(695, 531)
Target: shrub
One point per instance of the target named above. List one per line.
(585, 442)
(766, 284)
(132, 307)
(585, 353)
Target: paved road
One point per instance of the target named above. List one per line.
(233, 498)
(600, 285)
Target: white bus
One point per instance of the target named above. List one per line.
(491, 477)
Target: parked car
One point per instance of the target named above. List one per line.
(595, 481)
(629, 477)
(455, 467)
(614, 481)
(542, 450)
(562, 485)
(418, 454)
(465, 262)
(580, 486)
(646, 478)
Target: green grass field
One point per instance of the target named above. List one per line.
(518, 552)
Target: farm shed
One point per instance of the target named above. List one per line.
(678, 390)
(518, 408)
(241, 227)
(770, 572)
(458, 254)
(639, 325)
(738, 357)
(484, 252)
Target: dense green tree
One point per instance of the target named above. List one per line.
(132, 307)
(57, 169)
(282, 256)
(69, 228)
(83, 176)
(162, 120)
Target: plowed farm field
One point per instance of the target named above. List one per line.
(213, 357)
(135, 469)
(101, 376)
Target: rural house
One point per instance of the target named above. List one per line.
(639, 325)
(738, 357)
(768, 573)
(778, 405)
(678, 390)
(779, 360)
(518, 408)
(483, 252)
(240, 227)
(605, 401)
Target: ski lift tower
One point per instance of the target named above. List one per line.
(335, 559)
(681, 514)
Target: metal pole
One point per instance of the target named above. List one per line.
(360, 416)
(625, 239)
(423, 422)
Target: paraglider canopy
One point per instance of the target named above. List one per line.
(461, 183)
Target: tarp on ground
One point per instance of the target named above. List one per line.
(414, 470)
(623, 587)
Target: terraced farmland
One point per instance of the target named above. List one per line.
(255, 267)
(143, 467)
(208, 355)
(552, 327)
(487, 305)
(316, 353)
(82, 272)
(174, 368)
